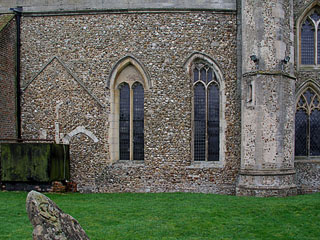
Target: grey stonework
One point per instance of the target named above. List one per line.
(71, 51)
(267, 154)
(85, 5)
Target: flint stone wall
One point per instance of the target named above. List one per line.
(308, 170)
(8, 39)
(66, 61)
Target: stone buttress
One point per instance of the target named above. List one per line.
(268, 89)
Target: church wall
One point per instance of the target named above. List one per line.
(66, 62)
(307, 170)
(8, 120)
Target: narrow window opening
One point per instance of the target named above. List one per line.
(206, 113)
(129, 115)
(124, 121)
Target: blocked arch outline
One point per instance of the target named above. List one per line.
(124, 62)
(113, 117)
(221, 83)
(79, 130)
(302, 15)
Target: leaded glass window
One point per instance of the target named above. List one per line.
(307, 124)
(206, 113)
(138, 121)
(124, 121)
(131, 121)
(310, 38)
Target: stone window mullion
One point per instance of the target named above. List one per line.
(131, 122)
(316, 41)
(207, 109)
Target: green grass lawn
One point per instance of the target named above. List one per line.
(173, 216)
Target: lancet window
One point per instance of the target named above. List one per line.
(206, 111)
(128, 110)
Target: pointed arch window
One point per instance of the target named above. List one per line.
(206, 113)
(310, 38)
(131, 121)
(126, 131)
(307, 124)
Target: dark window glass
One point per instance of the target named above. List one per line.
(309, 95)
(315, 16)
(213, 122)
(318, 45)
(206, 115)
(124, 122)
(199, 122)
(209, 75)
(195, 74)
(314, 133)
(203, 75)
(307, 43)
(138, 121)
(301, 133)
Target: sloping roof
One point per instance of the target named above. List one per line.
(5, 19)
(36, 6)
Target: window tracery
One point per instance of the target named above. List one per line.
(310, 38)
(206, 108)
(307, 124)
(127, 113)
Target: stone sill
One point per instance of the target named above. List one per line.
(129, 163)
(307, 160)
(197, 165)
(309, 68)
(267, 188)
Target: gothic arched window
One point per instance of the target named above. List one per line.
(206, 113)
(307, 124)
(310, 38)
(127, 114)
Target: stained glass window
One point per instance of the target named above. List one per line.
(307, 124)
(206, 104)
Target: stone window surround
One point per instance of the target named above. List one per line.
(188, 65)
(316, 88)
(112, 85)
(302, 17)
